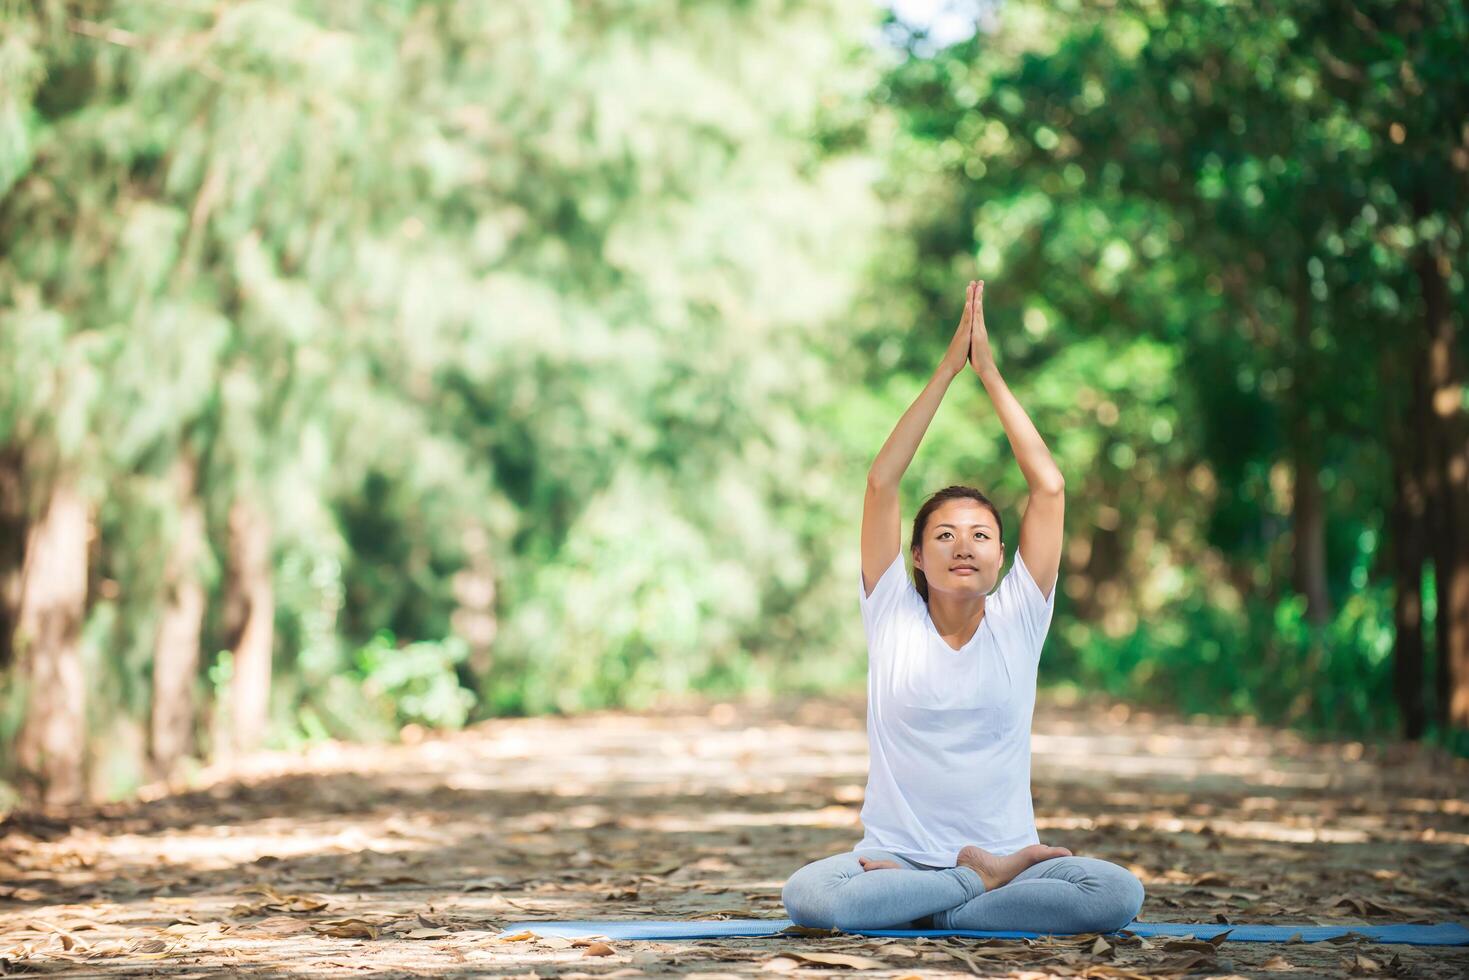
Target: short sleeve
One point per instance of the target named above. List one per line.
(1020, 598)
(886, 594)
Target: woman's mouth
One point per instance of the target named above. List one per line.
(963, 570)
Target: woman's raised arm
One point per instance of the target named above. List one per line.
(1045, 511)
(881, 530)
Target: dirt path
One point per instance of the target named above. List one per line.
(409, 860)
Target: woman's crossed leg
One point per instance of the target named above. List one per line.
(835, 892)
(1062, 895)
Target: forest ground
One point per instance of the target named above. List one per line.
(404, 860)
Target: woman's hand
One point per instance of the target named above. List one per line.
(981, 358)
(959, 347)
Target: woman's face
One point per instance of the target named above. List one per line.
(961, 533)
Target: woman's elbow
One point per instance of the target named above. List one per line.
(1051, 484)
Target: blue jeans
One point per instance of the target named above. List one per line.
(1064, 895)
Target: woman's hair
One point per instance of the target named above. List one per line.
(920, 523)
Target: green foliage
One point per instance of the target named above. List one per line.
(418, 681)
(372, 692)
(1197, 234)
(1261, 660)
(408, 275)
(560, 319)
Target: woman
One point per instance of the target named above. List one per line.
(950, 834)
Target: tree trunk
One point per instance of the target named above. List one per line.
(51, 744)
(1309, 520)
(176, 656)
(1308, 505)
(12, 548)
(1408, 548)
(1447, 485)
(250, 616)
(474, 618)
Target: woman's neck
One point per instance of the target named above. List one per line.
(956, 617)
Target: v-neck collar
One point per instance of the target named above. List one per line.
(933, 631)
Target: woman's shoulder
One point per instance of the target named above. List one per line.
(1020, 610)
(893, 598)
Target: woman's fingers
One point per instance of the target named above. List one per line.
(958, 353)
(980, 355)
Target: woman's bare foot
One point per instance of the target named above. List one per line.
(868, 864)
(996, 870)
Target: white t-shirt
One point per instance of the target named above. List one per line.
(948, 731)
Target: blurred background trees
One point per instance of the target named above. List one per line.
(417, 363)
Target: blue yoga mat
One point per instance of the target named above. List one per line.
(1440, 934)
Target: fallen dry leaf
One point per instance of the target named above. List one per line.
(1366, 907)
(279, 925)
(148, 949)
(1362, 965)
(347, 929)
(838, 959)
(1191, 961)
(485, 884)
(21, 894)
(562, 834)
(808, 931)
(273, 901)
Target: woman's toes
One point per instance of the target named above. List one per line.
(868, 864)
